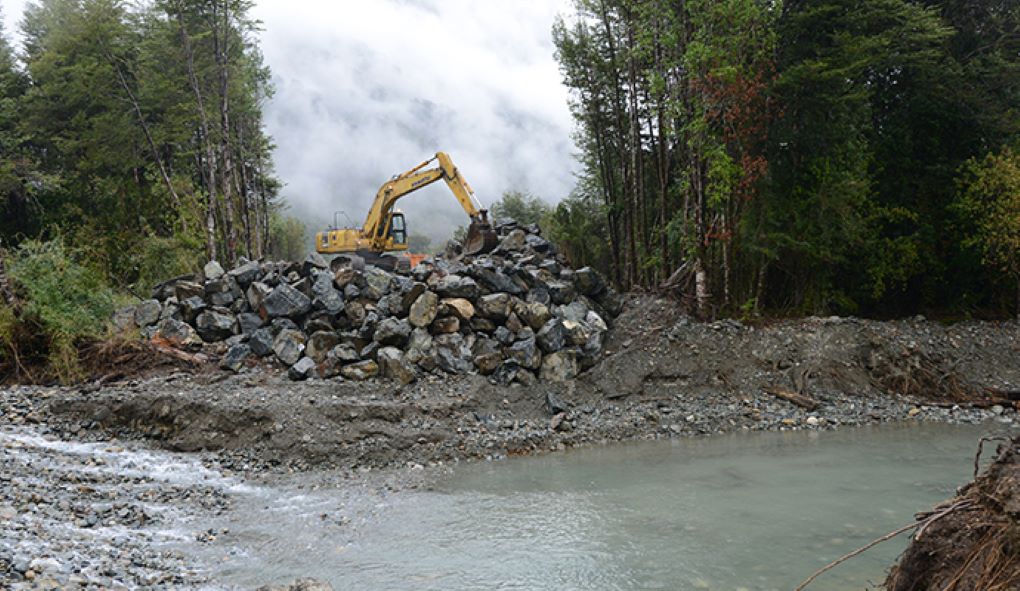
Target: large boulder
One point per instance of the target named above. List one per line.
(313, 262)
(289, 345)
(361, 370)
(177, 333)
(560, 366)
(457, 286)
(377, 283)
(245, 273)
(147, 312)
(235, 357)
(303, 369)
(392, 365)
(319, 345)
(392, 332)
(213, 325)
(249, 322)
(212, 271)
(494, 306)
(285, 301)
(191, 308)
(526, 353)
(424, 309)
(325, 296)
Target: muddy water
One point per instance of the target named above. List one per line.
(742, 512)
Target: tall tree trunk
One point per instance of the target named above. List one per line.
(221, 46)
(210, 155)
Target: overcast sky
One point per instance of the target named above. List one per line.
(368, 89)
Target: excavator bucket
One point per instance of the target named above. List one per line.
(481, 238)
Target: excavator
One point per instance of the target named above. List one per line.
(382, 239)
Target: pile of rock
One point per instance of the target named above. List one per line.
(516, 314)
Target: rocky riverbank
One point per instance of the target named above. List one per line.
(661, 376)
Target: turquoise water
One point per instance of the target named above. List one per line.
(739, 512)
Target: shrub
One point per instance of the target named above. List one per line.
(62, 303)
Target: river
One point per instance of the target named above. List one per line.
(752, 511)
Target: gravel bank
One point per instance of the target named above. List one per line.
(95, 512)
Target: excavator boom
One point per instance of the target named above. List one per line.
(383, 230)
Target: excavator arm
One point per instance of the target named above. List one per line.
(480, 236)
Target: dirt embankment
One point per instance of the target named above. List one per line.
(662, 375)
(971, 542)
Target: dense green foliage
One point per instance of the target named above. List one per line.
(134, 130)
(521, 207)
(795, 156)
(60, 301)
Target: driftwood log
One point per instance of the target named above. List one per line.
(801, 400)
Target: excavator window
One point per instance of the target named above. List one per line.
(398, 231)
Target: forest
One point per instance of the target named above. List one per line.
(748, 157)
(831, 156)
(133, 135)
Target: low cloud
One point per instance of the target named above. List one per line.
(365, 90)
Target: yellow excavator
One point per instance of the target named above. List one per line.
(383, 237)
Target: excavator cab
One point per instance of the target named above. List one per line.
(398, 228)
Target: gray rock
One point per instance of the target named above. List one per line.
(577, 333)
(526, 354)
(503, 335)
(589, 282)
(560, 366)
(246, 273)
(212, 271)
(313, 262)
(261, 341)
(344, 352)
(319, 345)
(188, 289)
(538, 244)
(450, 353)
(494, 306)
(356, 313)
(392, 332)
(461, 308)
(221, 292)
(124, 319)
(214, 326)
(419, 345)
(447, 325)
(497, 282)
(235, 357)
(534, 314)
(302, 370)
(361, 370)
(575, 311)
(249, 322)
(171, 310)
(351, 292)
(177, 333)
(514, 242)
(377, 282)
(191, 308)
(325, 296)
(289, 345)
(457, 286)
(424, 310)
(488, 362)
(392, 365)
(483, 325)
(147, 312)
(304, 584)
(561, 292)
(285, 301)
(408, 297)
(256, 294)
(344, 276)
